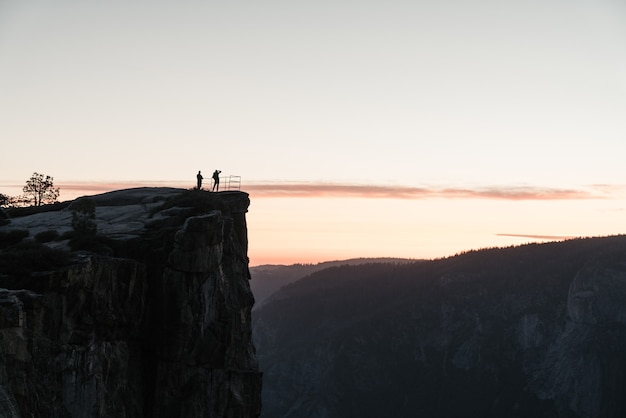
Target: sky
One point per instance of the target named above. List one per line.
(413, 129)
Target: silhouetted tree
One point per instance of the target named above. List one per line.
(7, 201)
(40, 190)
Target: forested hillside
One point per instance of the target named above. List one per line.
(536, 330)
(269, 278)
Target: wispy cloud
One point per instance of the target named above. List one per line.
(344, 190)
(532, 236)
(273, 190)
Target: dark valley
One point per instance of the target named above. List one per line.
(536, 330)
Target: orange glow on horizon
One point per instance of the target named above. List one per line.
(270, 190)
(290, 223)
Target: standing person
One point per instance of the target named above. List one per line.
(199, 177)
(216, 180)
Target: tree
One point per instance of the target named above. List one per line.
(40, 190)
(7, 201)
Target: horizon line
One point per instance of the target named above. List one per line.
(536, 236)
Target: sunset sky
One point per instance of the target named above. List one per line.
(360, 129)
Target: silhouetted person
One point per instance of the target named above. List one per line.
(199, 177)
(216, 180)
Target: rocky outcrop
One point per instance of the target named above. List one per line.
(584, 368)
(158, 326)
(206, 351)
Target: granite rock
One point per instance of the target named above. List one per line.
(156, 326)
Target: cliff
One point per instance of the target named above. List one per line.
(530, 331)
(148, 318)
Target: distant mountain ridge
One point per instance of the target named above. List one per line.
(537, 330)
(268, 278)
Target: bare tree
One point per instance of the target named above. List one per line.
(40, 190)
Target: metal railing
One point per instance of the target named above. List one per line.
(230, 183)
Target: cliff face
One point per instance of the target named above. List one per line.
(71, 343)
(537, 330)
(158, 327)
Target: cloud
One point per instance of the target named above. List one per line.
(548, 237)
(274, 190)
(338, 190)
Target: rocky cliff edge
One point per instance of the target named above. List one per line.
(149, 317)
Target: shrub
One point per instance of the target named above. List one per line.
(28, 257)
(92, 243)
(18, 212)
(67, 235)
(12, 237)
(47, 236)
(83, 216)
